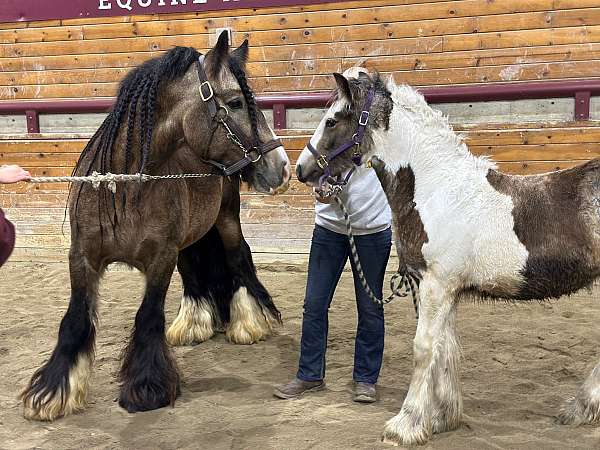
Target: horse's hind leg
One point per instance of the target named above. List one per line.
(584, 408)
(59, 387)
(149, 377)
(252, 313)
(206, 284)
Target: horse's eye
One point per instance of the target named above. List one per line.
(331, 123)
(235, 104)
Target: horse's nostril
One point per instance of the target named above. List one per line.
(286, 171)
(299, 174)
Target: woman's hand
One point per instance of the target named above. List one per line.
(13, 174)
(320, 198)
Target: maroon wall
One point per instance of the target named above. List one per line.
(28, 10)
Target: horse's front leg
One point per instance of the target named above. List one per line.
(433, 403)
(60, 386)
(149, 377)
(252, 313)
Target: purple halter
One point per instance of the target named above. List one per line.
(324, 160)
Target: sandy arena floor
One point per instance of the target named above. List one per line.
(519, 363)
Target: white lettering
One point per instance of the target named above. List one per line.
(199, 1)
(104, 4)
(174, 2)
(125, 4)
(144, 4)
(161, 2)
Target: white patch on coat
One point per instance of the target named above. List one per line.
(249, 323)
(52, 407)
(468, 223)
(195, 322)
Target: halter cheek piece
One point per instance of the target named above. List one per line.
(324, 160)
(253, 151)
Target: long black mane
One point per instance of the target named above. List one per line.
(136, 103)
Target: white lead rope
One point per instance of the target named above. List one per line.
(111, 179)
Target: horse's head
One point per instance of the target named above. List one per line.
(222, 124)
(344, 138)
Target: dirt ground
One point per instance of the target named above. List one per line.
(519, 363)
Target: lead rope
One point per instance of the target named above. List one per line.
(402, 282)
(96, 179)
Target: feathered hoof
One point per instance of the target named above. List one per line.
(577, 411)
(194, 324)
(148, 396)
(47, 402)
(249, 322)
(405, 429)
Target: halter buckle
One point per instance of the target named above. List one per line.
(222, 113)
(257, 151)
(210, 94)
(322, 162)
(364, 118)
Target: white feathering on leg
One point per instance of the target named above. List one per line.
(249, 322)
(195, 322)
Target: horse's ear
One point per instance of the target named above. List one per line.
(365, 76)
(241, 53)
(343, 86)
(219, 53)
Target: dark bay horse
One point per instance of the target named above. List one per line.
(465, 228)
(180, 113)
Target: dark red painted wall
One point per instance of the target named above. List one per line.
(28, 10)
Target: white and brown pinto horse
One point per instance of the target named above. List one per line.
(466, 229)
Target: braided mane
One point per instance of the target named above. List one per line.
(136, 105)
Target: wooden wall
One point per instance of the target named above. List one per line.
(421, 42)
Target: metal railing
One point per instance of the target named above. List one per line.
(580, 90)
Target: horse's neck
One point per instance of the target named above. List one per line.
(437, 157)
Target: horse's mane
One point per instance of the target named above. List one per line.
(136, 102)
(434, 120)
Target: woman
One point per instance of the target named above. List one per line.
(9, 174)
(371, 220)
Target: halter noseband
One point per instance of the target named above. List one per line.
(253, 152)
(324, 160)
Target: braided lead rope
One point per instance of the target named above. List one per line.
(96, 179)
(401, 283)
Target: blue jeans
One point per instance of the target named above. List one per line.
(328, 255)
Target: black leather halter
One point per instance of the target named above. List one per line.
(253, 151)
(324, 160)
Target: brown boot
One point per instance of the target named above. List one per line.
(297, 387)
(365, 392)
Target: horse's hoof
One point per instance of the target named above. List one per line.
(44, 399)
(249, 322)
(147, 397)
(405, 430)
(577, 412)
